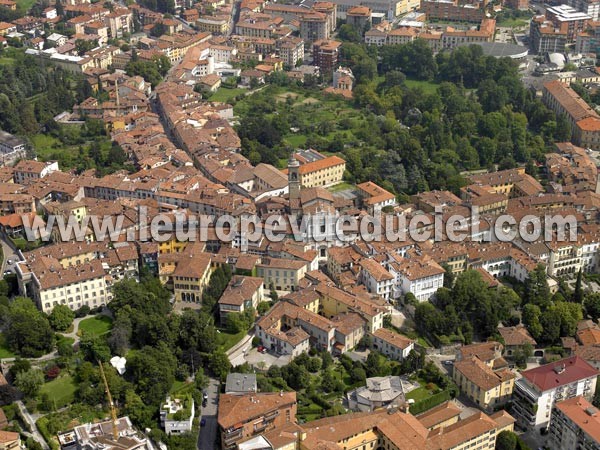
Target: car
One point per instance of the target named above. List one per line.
(7, 272)
(202, 422)
(205, 395)
(448, 362)
(260, 348)
(263, 350)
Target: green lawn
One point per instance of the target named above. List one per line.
(295, 140)
(341, 187)
(418, 394)
(513, 23)
(61, 390)
(227, 340)
(98, 325)
(427, 86)
(7, 61)
(25, 4)
(224, 94)
(4, 351)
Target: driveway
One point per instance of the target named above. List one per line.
(207, 438)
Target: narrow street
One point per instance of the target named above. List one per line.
(31, 424)
(208, 433)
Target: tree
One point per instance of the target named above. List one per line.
(30, 382)
(28, 331)
(506, 440)
(219, 364)
(152, 371)
(94, 348)
(531, 319)
(550, 320)
(592, 305)
(537, 291)
(61, 318)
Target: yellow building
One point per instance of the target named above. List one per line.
(9, 440)
(282, 274)
(191, 277)
(322, 172)
(218, 25)
(171, 246)
(488, 388)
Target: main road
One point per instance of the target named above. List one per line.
(207, 438)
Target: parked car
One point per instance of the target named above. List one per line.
(261, 349)
(202, 422)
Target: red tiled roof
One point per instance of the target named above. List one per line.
(559, 373)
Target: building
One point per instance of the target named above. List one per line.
(11, 144)
(489, 389)
(314, 27)
(359, 17)
(393, 429)
(241, 294)
(568, 19)
(326, 55)
(589, 7)
(379, 392)
(391, 344)
(244, 416)
(544, 37)
(453, 10)
(9, 440)
(240, 383)
(321, 172)
(575, 425)
(177, 414)
(191, 276)
(282, 274)
(291, 50)
(27, 171)
(99, 436)
(584, 120)
(374, 197)
(376, 278)
(539, 389)
(419, 275)
(515, 338)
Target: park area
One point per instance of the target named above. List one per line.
(98, 325)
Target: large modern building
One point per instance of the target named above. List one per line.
(544, 37)
(575, 425)
(539, 389)
(568, 19)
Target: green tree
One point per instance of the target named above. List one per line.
(61, 317)
(537, 291)
(506, 440)
(592, 305)
(30, 382)
(219, 364)
(578, 292)
(531, 319)
(28, 331)
(93, 347)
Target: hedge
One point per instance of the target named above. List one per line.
(429, 402)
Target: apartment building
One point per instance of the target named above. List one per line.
(538, 390)
(315, 27)
(374, 197)
(565, 17)
(359, 17)
(575, 425)
(584, 120)
(326, 55)
(11, 144)
(588, 7)
(452, 10)
(376, 278)
(419, 275)
(217, 25)
(393, 345)
(544, 37)
(291, 50)
(28, 171)
(244, 416)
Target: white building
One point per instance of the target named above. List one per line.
(376, 278)
(419, 275)
(177, 415)
(391, 344)
(539, 389)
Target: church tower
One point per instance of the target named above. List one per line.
(294, 179)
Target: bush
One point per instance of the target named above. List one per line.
(52, 372)
(430, 402)
(83, 311)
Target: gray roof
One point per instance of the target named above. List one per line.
(240, 383)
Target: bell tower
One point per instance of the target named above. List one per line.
(294, 178)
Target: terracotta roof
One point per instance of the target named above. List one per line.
(238, 409)
(7, 437)
(559, 373)
(480, 374)
(240, 289)
(392, 338)
(583, 414)
(517, 335)
(438, 414)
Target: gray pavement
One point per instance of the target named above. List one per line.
(207, 438)
(31, 425)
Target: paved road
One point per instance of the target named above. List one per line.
(9, 254)
(31, 424)
(208, 433)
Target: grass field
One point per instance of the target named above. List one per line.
(98, 325)
(341, 187)
(224, 94)
(227, 340)
(25, 4)
(513, 23)
(427, 86)
(418, 394)
(61, 390)
(4, 351)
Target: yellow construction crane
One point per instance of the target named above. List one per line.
(113, 411)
